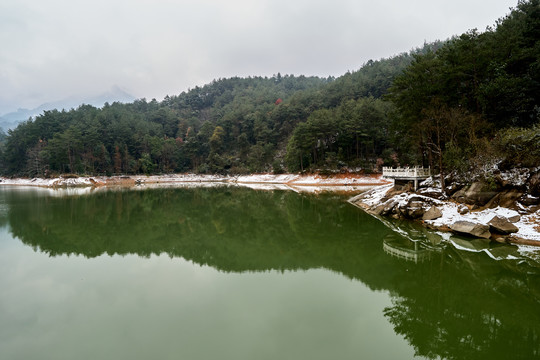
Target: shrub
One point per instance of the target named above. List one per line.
(519, 146)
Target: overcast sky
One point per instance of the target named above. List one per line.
(51, 49)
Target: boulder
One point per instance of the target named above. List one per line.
(470, 228)
(433, 193)
(415, 213)
(476, 194)
(432, 213)
(514, 219)
(502, 225)
(534, 184)
(505, 199)
(453, 188)
(414, 209)
(459, 196)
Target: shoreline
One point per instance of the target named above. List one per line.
(372, 189)
(348, 183)
(379, 204)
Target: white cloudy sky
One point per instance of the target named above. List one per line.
(51, 49)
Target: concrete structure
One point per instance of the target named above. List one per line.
(407, 174)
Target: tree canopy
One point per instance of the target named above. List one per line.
(441, 105)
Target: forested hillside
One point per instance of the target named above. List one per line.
(236, 125)
(471, 100)
(476, 101)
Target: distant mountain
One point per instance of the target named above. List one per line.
(115, 94)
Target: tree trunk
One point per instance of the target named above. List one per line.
(441, 173)
(439, 148)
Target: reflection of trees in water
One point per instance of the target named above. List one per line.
(230, 228)
(454, 304)
(459, 311)
(463, 305)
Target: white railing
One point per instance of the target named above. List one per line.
(406, 172)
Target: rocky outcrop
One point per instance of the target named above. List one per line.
(502, 225)
(503, 194)
(472, 229)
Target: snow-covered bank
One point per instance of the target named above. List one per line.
(309, 183)
(53, 182)
(384, 201)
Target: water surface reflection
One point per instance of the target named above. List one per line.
(446, 303)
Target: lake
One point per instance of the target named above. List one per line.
(233, 273)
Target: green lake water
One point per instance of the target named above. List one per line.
(233, 273)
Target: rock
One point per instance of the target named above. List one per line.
(529, 200)
(502, 225)
(377, 210)
(433, 193)
(534, 184)
(470, 228)
(388, 207)
(453, 188)
(504, 199)
(391, 193)
(476, 194)
(414, 209)
(415, 213)
(500, 181)
(514, 219)
(463, 209)
(459, 196)
(432, 213)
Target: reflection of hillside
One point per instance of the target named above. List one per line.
(452, 304)
(229, 228)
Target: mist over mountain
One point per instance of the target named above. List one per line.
(10, 120)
